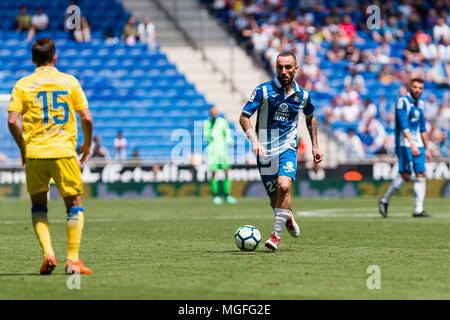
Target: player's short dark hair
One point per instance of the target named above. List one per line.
(417, 79)
(43, 51)
(287, 54)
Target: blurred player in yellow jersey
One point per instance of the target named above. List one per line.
(47, 101)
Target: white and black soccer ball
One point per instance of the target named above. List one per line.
(247, 238)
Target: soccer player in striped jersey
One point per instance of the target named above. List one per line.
(47, 101)
(411, 141)
(278, 104)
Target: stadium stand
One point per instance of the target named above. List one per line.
(129, 88)
(331, 39)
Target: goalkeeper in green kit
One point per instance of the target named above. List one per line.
(217, 132)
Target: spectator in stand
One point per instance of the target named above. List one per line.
(386, 75)
(333, 112)
(373, 135)
(120, 147)
(147, 33)
(307, 48)
(443, 51)
(438, 141)
(84, 33)
(355, 81)
(443, 116)
(310, 76)
(441, 31)
(303, 80)
(431, 108)
(386, 111)
(97, 150)
(347, 31)
(353, 146)
(369, 109)
(329, 30)
(432, 19)
(136, 155)
(335, 53)
(23, 20)
(39, 22)
(130, 32)
(393, 32)
(351, 111)
(438, 73)
(412, 52)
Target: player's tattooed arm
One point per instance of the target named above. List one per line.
(311, 125)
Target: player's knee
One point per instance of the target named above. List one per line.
(421, 176)
(73, 212)
(406, 176)
(284, 186)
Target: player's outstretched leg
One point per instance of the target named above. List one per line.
(42, 229)
(383, 203)
(74, 228)
(292, 226)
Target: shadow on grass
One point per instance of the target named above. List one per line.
(18, 274)
(237, 252)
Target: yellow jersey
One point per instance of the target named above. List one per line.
(48, 100)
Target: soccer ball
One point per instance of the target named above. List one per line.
(247, 238)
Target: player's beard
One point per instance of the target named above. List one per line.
(286, 82)
(415, 96)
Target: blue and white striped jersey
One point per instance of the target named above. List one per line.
(409, 116)
(277, 119)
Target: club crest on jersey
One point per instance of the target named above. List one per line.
(420, 104)
(282, 113)
(296, 98)
(289, 166)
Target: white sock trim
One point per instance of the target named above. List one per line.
(281, 216)
(419, 188)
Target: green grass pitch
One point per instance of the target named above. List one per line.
(184, 249)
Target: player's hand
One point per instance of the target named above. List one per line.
(317, 155)
(415, 151)
(259, 149)
(428, 154)
(85, 151)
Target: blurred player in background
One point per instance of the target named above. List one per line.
(217, 131)
(275, 141)
(411, 141)
(47, 101)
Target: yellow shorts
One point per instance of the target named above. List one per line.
(65, 172)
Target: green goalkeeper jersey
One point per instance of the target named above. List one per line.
(218, 134)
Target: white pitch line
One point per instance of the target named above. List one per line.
(352, 213)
